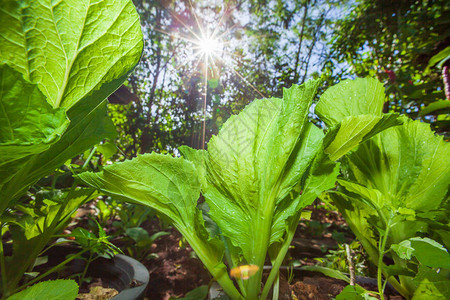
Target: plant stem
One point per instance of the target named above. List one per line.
(276, 287)
(262, 241)
(89, 158)
(281, 254)
(231, 264)
(379, 277)
(54, 269)
(351, 269)
(86, 268)
(381, 247)
(55, 244)
(403, 286)
(399, 288)
(210, 260)
(2, 264)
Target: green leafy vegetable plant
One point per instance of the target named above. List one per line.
(134, 240)
(393, 191)
(354, 292)
(337, 259)
(98, 245)
(32, 225)
(105, 211)
(58, 62)
(140, 242)
(264, 166)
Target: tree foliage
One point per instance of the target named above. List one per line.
(260, 38)
(394, 41)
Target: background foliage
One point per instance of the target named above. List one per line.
(260, 40)
(394, 41)
(269, 45)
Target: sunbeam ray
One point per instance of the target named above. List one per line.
(209, 48)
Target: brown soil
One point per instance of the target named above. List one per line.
(310, 285)
(312, 290)
(175, 272)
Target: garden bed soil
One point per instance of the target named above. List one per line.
(311, 285)
(175, 270)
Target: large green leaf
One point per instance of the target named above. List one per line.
(77, 53)
(28, 124)
(362, 96)
(255, 162)
(73, 49)
(407, 164)
(352, 110)
(89, 125)
(170, 186)
(52, 289)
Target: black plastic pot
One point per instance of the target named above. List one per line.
(123, 273)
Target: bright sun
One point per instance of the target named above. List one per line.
(209, 46)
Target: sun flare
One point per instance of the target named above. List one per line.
(209, 46)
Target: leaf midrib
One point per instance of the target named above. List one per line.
(78, 50)
(69, 63)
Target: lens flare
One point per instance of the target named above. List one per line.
(209, 46)
(244, 272)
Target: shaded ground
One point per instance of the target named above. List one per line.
(317, 287)
(175, 272)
